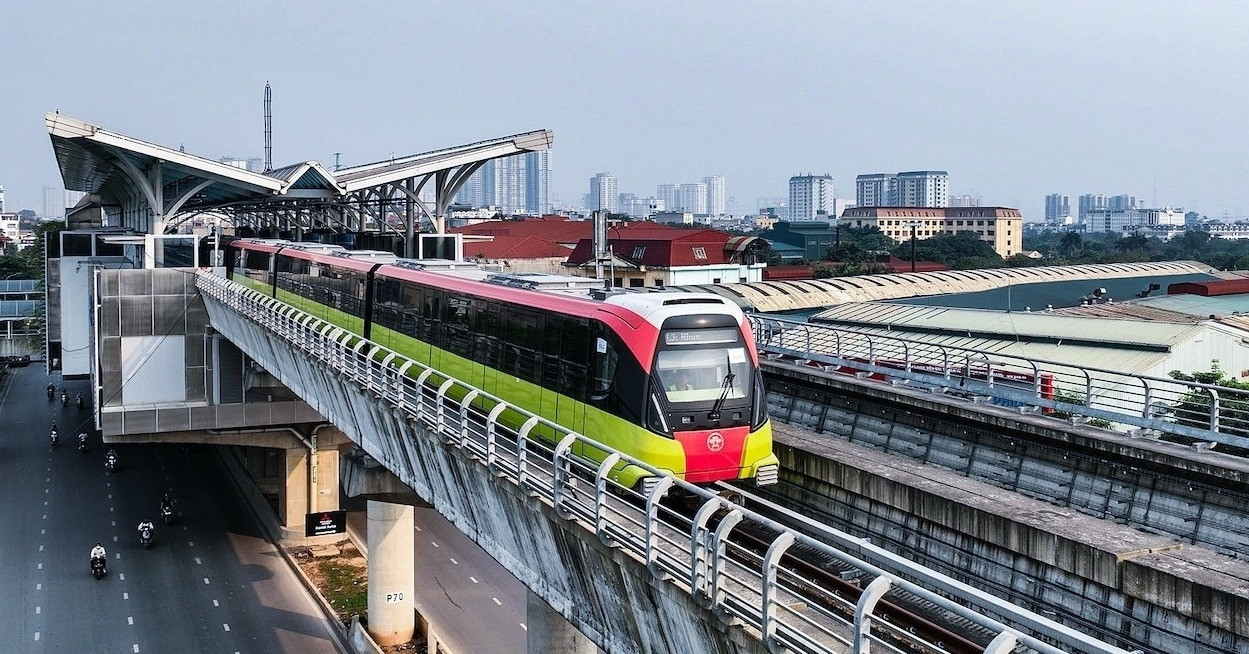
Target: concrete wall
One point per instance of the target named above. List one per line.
(1004, 502)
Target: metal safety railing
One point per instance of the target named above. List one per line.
(571, 473)
(1168, 406)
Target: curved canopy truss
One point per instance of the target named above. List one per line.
(152, 189)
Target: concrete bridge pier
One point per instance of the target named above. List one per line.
(392, 573)
(548, 631)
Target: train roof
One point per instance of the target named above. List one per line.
(580, 296)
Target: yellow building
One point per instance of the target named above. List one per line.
(1000, 227)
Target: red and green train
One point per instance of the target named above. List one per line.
(671, 379)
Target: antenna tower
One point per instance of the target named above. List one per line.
(268, 127)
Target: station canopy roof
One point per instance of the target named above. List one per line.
(122, 169)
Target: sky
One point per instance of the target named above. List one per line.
(1014, 99)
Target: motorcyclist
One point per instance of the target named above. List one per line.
(54, 435)
(78, 400)
(64, 398)
(146, 536)
(98, 554)
(82, 441)
(51, 390)
(110, 459)
(166, 508)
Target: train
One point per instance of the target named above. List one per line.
(669, 378)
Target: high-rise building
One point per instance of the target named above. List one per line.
(518, 184)
(254, 164)
(1090, 202)
(668, 194)
(603, 194)
(1, 199)
(1057, 206)
(923, 188)
(1122, 203)
(916, 188)
(538, 182)
(53, 203)
(692, 198)
(965, 200)
(875, 189)
(715, 194)
(810, 195)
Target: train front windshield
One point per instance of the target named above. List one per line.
(703, 365)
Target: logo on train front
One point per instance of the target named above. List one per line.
(715, 441)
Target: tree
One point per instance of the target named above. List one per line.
(1070, 244)
(1194, 407)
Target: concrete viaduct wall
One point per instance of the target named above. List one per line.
(606, 594)
(1141, 538)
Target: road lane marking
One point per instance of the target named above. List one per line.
(227, 626)
(45, 516)
(190, 543)
(125, 596)
(522, 626)
(114, 523)
(136, 648)
(435, 543)
(36, 635)
(38, 610)
(43, 531)
(122, 575)
(114, 539)
(454, 562)
(496, 601)
(205, 581)
(197, 561)
(39, 567)
(47, 490)
(473, 579)
(130, 619)
(418, 528)
(38, 586)
(41, 548)
(215, 603)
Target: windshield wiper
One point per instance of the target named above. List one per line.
(725, 386)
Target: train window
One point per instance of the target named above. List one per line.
(457, 318)
(551, 352)
(520, 358)
(703, 374)
(575, 353)
(431, 321)
(486, 349)
(605, 360)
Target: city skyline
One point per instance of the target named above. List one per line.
(1132, 115)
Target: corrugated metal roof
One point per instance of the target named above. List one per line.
(1108, 356)
(868, 288)
(1015, 326)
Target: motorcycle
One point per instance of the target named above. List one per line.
(110, 462)
(78, 401)
(166, 512)
(145, 538)
(64, 398)
(55, 437)
(97, 567)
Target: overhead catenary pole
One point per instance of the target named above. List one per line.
(268, 127)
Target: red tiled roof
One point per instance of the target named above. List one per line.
(662, 248)
(515, 247)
